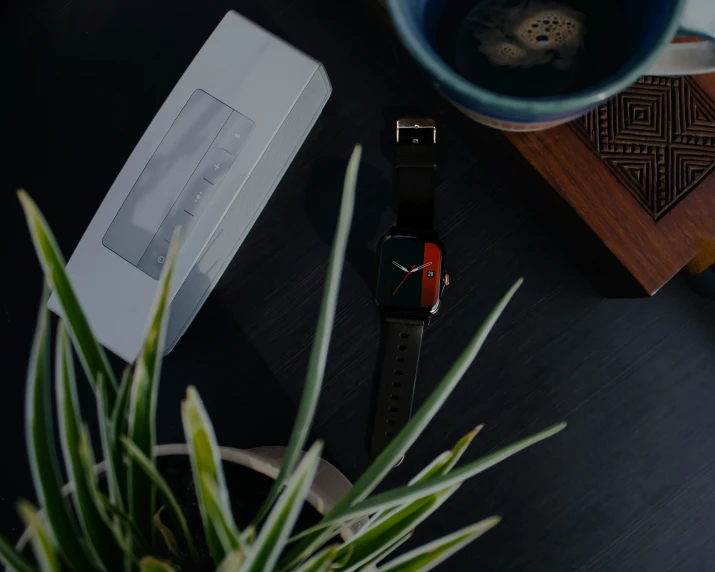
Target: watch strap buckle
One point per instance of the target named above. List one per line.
(404, 125)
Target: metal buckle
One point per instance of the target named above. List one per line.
(423, 123)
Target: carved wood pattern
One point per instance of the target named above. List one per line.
(657, 138)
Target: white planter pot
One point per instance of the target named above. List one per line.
(328, 487)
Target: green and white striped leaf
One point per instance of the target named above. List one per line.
(319, 352)
(248, 536)
(430, 555)
(459, 449)
(376, 541)
(41, 451)
(403, 496)
(12, 559)
(119, 426)
(232, 562)
(390, 456)
(224, 525)
(98, 499)
(440, 466)
(39, 538)
(176, 514)
(269, 544)
(102, 544)
(109, 444)
(142, 400)
(205, 460)
(91, 354)
(321, 561)
(120, 416)
(138, 542)
(150, 564)
(370, 564)
(411, 493)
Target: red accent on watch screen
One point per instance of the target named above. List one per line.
(430, 275)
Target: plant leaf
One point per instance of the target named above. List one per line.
(119, 427)
(280, 521)
(232, 562)
(98, 499)
(248, 536)
(205, 460)
(459, 449)
(102, 544)
(440, 466)
(142, 400)
(138, 540)
(119, 412)
(41, 542)
(394, 451)
(225, 527)
(158, 481)
(167, 535)
(109, 445)
(376, 541)
(91, 355)
(150, 564)
(370, 564)
(321, 561)
(411, 493)
(430, 555)
(40, 448)
(12, 559)
(434, 468)
(319, 351)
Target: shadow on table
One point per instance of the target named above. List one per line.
(372, 199)
(247, 404)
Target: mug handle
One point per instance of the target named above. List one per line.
(698, 19)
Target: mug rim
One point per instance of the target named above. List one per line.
(446, 76)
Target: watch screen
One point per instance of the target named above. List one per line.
(409, 273)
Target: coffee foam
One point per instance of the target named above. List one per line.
(529, 34)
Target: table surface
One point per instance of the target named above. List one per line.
(629, 484)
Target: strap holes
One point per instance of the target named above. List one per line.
(400, 360)
(389, 434)
(404, 335)
(399, 372)
(392, 409)
(395, 397)
(390, 421)
(396, 384)
(402, 348)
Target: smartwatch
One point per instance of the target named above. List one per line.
(411, 277)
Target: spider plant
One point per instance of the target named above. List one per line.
(134, 522)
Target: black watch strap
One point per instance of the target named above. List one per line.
(415, 168)
(401, 343)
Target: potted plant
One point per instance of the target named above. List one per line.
(134, 519)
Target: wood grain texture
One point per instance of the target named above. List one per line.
(639, 172)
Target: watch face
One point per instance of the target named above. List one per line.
(409, 273)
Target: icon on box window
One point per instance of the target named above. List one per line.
(430, 274)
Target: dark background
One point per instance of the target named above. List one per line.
(628, 486)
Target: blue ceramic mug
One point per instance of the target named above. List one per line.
(505, 39)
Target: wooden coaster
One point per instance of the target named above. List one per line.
(640, 172)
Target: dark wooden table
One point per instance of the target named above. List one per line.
(629, 486)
